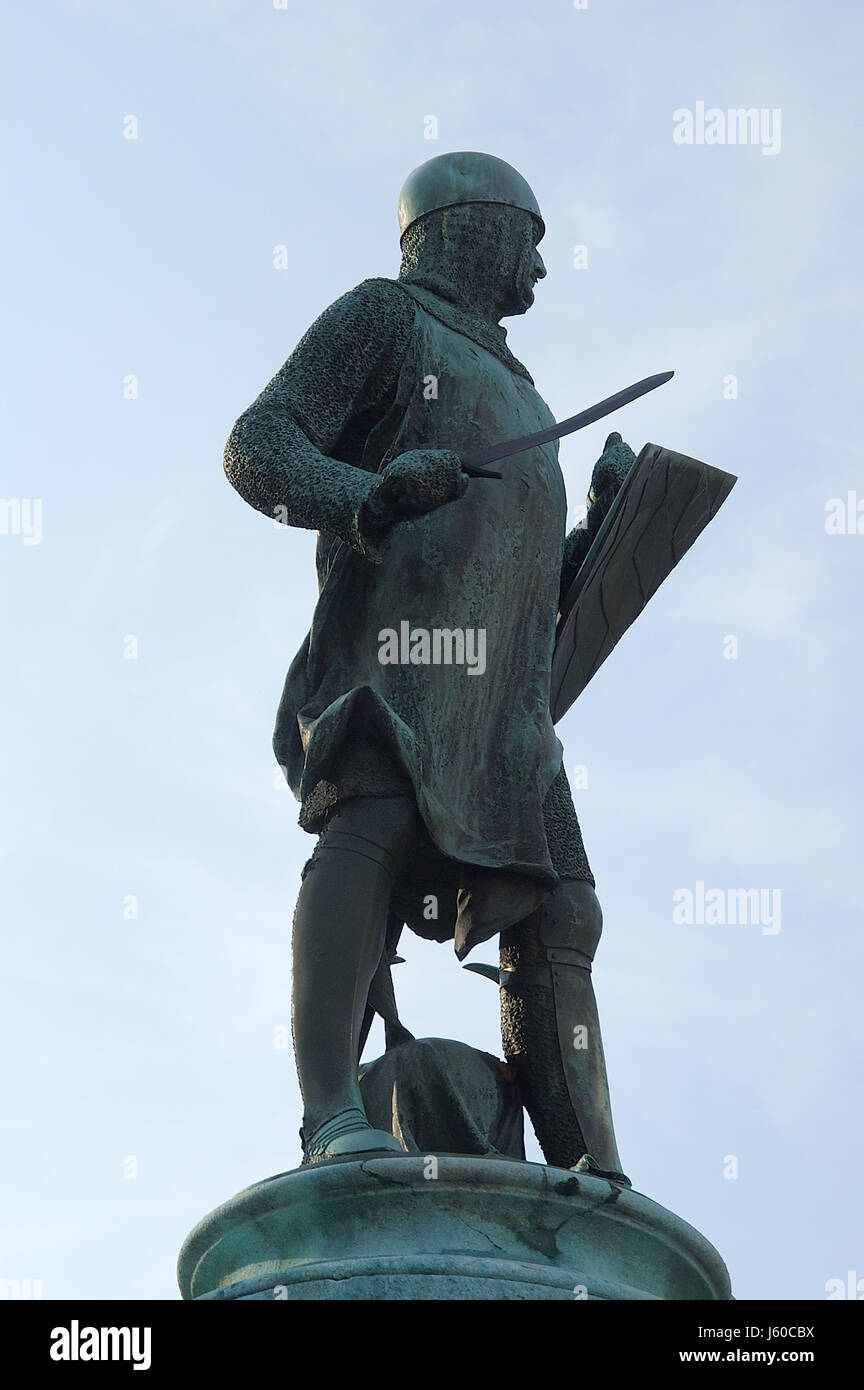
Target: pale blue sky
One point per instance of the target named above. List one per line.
(154, 778)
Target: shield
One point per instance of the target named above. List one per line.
(664, 503)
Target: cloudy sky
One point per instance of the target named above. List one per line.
(150, 852)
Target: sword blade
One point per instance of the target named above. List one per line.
(474, 464)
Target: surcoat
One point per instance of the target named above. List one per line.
(477, 747)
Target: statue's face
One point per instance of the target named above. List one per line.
(487, 251)
(522, 266)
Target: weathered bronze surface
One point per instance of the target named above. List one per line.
(416, 723)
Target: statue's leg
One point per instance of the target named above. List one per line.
(551, 1030)
(339, 930)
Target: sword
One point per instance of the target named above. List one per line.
(474, 463)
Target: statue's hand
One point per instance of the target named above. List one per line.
(414, 483)
(610, 470)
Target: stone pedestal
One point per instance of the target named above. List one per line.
(445, 1227)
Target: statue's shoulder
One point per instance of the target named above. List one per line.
(373, 319)
(376, 300)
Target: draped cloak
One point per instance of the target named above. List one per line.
(478, 749)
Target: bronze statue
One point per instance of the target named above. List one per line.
(415, 725)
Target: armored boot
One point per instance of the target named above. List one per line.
(551, 1030)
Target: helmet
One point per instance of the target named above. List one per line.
(464, 177)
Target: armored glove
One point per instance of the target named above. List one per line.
(610, 470)
(609, 473)
(414, 483)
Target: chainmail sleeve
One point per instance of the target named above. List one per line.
(295, 453)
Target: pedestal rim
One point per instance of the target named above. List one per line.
(635, 1216)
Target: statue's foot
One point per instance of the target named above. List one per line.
(344, 1134)
(589, 1165)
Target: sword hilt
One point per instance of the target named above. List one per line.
(474, 471)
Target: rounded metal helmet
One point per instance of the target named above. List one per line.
(465, 177)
